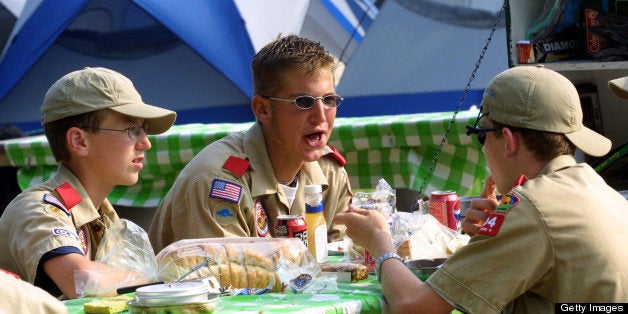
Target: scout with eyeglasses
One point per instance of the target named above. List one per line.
(239, 185)
(96, 125)
(557, 218)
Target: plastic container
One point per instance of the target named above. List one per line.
(316, 224)
(186, 296)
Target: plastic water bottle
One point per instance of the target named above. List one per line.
(316, 224)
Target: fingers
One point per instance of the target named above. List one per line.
(489, 189)
(477, 214)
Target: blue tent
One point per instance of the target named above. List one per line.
(192, 56)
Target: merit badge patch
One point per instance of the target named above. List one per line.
(226, 190)
(224, 213)
(82, 235)
(49, 199)
(507, 202)
(492, 224)
(261, 219)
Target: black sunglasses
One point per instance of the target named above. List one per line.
(481, 132)
(307, 101)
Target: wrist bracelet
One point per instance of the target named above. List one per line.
(383, 258)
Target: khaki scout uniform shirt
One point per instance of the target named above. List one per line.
(189, 211)
(18, 296)
(562, 239)
(39, 220)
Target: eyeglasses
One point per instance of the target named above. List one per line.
(134, 132)
(481, 132)
(307, 101)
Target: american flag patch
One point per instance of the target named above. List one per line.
(225, 190)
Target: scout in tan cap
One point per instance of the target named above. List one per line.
(96, 124)
(555, 222)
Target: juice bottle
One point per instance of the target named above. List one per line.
(316, 224)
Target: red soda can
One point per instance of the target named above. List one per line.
(445, 207)
(369, 261)
(291, 226)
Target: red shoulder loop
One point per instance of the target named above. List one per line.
(10, 273)
(236, 165)
(69, 195)
(336, 154)
(520, 181)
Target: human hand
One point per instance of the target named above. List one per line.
(367, 228)
(479, 208)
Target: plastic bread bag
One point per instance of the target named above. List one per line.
(124, 258)
(419, 236)
(261, 264)
(383, 199)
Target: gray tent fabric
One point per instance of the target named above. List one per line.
(419, 55)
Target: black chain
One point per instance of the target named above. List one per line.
(462, 98)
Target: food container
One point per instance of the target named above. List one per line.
(423, 268)
(192, 296)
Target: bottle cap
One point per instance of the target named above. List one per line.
(313, 188)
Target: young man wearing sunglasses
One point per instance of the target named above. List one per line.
(238, 185)
(96, 125)
(559, 232)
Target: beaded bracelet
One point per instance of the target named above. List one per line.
(383, 258)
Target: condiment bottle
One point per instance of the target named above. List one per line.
(316, 224)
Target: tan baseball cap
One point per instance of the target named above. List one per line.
(92, 89)
(541, 99)
(619, 87)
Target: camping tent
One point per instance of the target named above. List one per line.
(192, 56)
(419, 55)
(9, 11)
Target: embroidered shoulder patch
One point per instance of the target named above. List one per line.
(236, 165)
(226, 190)
(261, 219)
(65, 233)
(224, 213)
(82, 234)
(49, 199)
(507, 202)
(493, 224)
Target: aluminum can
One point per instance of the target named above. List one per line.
(445, 207)
(369, 261)
(291, 226)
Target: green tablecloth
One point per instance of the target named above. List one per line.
(396, 148)
(359, 297)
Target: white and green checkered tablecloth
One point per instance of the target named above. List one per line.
(397, 148)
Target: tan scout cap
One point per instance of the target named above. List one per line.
(92, 89)
(541, 99)
(619, 87)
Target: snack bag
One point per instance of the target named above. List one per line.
(125, 257)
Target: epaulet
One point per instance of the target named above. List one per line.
(336, 154)
(69, 195)
(236, 165)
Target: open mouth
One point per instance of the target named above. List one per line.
(314, 138)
